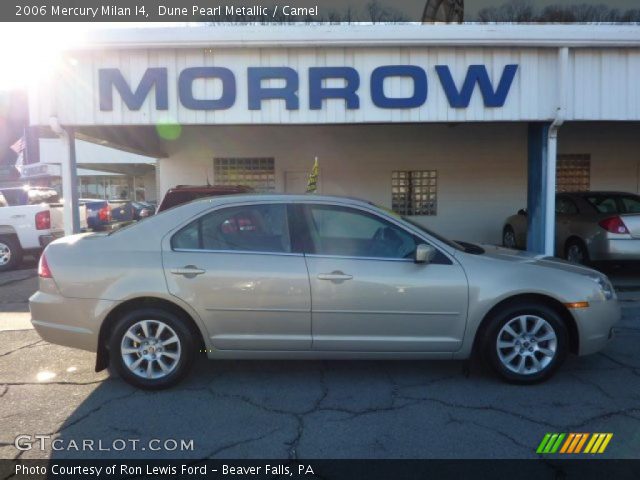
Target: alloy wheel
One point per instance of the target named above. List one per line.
(151, 349)
(5, 254)
(509, 239)
(575, 254)
(526, 344)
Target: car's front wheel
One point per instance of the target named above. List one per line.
(152, 348)
(526, 343)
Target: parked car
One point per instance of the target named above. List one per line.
(142, 209)
(235, 277)
(30, 218)
(187, 193)
(590, 227)
(107, 215)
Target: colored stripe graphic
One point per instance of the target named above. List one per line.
(573, 443)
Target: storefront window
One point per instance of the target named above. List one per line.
(573, 173)
(257, 173)
(414, 192)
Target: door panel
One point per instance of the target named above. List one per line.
(369, 295)
(247, 301)
(235, 267)
(387, 306)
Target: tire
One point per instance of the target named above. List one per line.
(576, 252)
(133, 364)
(10, 253)
(549, 353)
(509, 238)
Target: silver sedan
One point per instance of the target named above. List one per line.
(590, 227)
(310, 277)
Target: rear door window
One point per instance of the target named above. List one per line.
(249, 228)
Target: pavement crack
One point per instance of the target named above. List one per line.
(61, 382)
(590, 383)
(231, 445)
(17, 280)
(496, 431)
(30, 345)
(94, 410)
(4, 392)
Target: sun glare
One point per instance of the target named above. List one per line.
(30, 51)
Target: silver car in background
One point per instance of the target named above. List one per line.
(310, 277)
(591, 227)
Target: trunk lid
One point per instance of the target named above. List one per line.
(632, 222)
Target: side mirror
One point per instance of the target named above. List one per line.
(425, 253)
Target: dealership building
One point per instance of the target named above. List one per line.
(458, 126)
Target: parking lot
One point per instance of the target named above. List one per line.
(341, 409)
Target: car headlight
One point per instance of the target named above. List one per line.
(605, 286)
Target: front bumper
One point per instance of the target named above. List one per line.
(72, 322)
(595, 325)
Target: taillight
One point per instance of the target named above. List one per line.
(43, 220)
(43, 267)
(614, 225)
(104, 214)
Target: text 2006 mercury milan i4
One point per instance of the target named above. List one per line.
(310, 277)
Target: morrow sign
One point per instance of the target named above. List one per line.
(494, 93)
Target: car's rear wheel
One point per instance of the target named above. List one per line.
(526, 343)
(152, 348)
(509, 238)
(576, 252)
(10, 253)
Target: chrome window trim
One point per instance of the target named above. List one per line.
(242, 252)
(373, 210)
(349, 257)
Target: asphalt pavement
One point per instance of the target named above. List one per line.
(307, 409)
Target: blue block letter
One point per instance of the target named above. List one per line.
(185, 88)
(318, 92)
(476, 74)
(418, 76)
(112, 77)
(288, 93)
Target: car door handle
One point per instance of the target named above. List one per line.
(189, 271)
(336, 276)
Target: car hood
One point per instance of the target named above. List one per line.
(518, 256)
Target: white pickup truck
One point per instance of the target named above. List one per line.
(30, 218)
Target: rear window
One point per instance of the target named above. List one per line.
(19, 196)
(615, 203)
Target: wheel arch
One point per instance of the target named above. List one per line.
(556, 305)
(102, 356)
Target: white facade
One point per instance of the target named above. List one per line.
(586, 76)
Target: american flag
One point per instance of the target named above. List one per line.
(19, 146)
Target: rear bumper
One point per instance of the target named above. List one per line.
(46, 239)
(595, 325)
(617, 249)
(71, 322)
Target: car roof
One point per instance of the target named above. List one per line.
(284, 197)
(208, 188)
(596, 192)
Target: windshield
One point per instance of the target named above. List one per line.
(442, 239)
